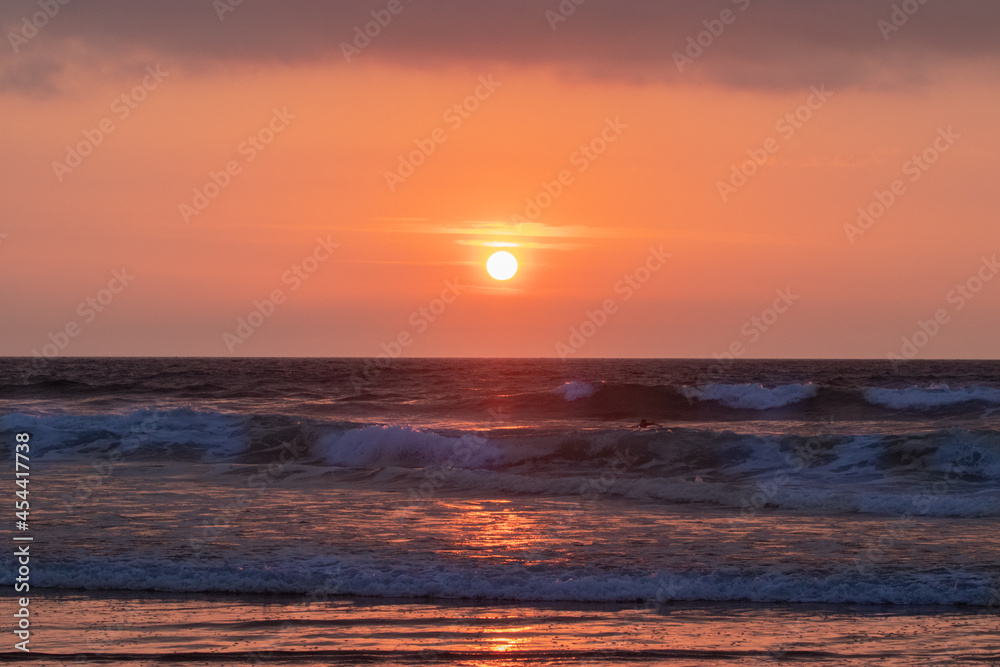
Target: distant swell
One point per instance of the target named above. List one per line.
(311, 389)
(731, 402)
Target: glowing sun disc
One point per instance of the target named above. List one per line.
(501, 265)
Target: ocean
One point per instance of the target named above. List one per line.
(506, 511)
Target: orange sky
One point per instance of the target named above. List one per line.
(336, 128)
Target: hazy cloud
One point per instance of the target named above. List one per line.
(769, 44)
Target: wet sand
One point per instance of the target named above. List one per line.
(189, 629)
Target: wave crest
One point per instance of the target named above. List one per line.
(934, 396)
(752, 396)
(574, 390)
(380, 446)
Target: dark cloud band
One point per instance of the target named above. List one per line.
(744, 43)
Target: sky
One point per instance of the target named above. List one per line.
(758, 179)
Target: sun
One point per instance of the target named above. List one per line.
(501, 265)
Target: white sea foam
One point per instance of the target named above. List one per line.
(752, 396)
(783, 489)
(216, 435)
(934, 396)
(866, 473)
(574, 390)
(404, 446)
